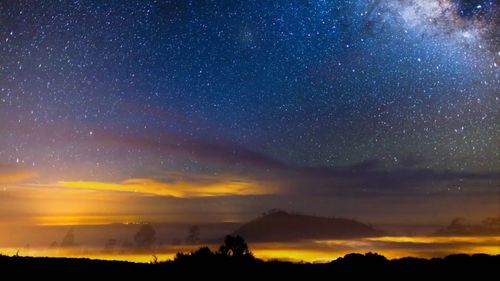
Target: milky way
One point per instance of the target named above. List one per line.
(345, 100)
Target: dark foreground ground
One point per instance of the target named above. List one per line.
(216, 267)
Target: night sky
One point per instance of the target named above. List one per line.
(203, 110)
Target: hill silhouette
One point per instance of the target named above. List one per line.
(234, 261)
(206, 265)
(280, 226)
(458, 227)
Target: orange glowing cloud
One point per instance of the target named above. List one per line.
(9, 175)
(179, 189)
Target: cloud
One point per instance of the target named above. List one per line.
(374, 176)
(220, 152)
(14, 174)
(179, 189)
(371, 175)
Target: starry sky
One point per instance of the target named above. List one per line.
(203, 110)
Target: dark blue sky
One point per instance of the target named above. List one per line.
(345, 100)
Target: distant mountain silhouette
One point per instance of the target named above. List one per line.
(458, 227)
(277, 226)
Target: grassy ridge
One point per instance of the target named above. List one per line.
(201, 264)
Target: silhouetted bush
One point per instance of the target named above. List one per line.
(236, 262)
(234, 246)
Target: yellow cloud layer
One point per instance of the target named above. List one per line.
(180, 189)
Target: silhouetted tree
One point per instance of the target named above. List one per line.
(273, 211)
(234, 246)
(53, 245)
(204, 251)
(69, 239)
(145, 236)
(203, 254)
(193, 236)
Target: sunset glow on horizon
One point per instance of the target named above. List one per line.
(306, 251)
